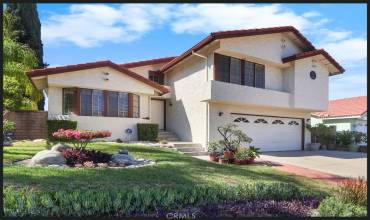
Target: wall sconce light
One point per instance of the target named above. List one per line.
(106, 73)
(220, 114)
(170, 103)
(106, 79)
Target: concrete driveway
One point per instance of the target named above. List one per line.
(341, 163)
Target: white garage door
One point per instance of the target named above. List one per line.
(271, 133)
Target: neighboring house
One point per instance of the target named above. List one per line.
(348, 114)
(267, 81)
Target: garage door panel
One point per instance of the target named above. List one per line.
(271, 133)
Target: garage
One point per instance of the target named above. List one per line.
(271, 133)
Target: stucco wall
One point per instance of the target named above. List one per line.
(94, 79)
(216, 120)
(187, 115)
(144, 70)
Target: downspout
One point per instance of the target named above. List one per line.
(207, 104)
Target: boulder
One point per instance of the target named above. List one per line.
(60, 147)
(123, 159)
(124, 151)
(46, 158)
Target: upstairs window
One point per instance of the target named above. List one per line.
(237, 71)
(156, 76)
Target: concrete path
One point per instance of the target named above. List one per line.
(340, 163)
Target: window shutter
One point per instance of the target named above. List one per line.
(248, 73)
(130, 105)
(78, 102)
(260, 76)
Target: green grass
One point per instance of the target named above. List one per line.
(172, 169)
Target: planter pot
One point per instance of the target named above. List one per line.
(229, 154)
(250, 160)
(214, 158)
(223, 161)
(240, 162)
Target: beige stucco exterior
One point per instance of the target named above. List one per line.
(196, 100)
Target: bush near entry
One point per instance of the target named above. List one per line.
(147, 132)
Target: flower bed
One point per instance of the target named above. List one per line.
(78, 138)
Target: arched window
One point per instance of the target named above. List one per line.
(241, 119)
(260, 120)
(293, 123)
(277, 122)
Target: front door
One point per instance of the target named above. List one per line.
(157, 113)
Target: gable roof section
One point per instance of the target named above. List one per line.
(147, 62)
(238, 33)
(354, 106)
(70, 68)
(314, 53)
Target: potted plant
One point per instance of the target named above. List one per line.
(224, 160)
(253, 153)
(241, 157)
(214, 150)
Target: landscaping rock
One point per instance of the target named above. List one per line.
(123, 159)
(124, 151)
(39, 140)
(60, 147)
(47, 157)
(102, 165)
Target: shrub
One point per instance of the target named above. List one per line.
(87, 202)
(8, 125)
(119, 140)
(232, 137)
(359, 137)
(80, 156)
(322, 133)
(79, 139)
(55, 125)
(336, 207)
(147, 132)
(353, 191)
(214, 148)
(345, 138)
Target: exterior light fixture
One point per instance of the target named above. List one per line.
(220, 114)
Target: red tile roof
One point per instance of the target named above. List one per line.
(314, 53)
(70, 68)
(238, 33)
(147, 62)
(354, 106)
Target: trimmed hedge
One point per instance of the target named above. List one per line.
(147, 132)
(85, 202)
(54, 125)
(335, 207)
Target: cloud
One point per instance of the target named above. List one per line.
(206, 18)
(91, 25)
(348, 85)
(348, 50)
(311, 14)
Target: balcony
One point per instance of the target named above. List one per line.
(229, 93)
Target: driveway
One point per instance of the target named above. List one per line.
(341, 163)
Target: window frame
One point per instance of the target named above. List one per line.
(64, 102)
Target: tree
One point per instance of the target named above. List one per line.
(19, 93)
(24, 26)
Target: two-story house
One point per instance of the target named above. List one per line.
(267, 81)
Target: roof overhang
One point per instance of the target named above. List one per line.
(324, 58)
(37, 75)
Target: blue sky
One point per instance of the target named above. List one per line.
(78, 33)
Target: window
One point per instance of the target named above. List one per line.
(233, 70)
(241, 119)
(86, 102)
(156, 76)
(69, 100)
(108, 103)
(123, 104)
(277, 122)
(136, 106)
(260, 120)
(113, 104)
(97, 103)
(293, 123)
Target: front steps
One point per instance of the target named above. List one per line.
(167, 136)
(189, 148)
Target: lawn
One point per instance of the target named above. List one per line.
(172, 169)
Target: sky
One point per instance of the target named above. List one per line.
(80, 33)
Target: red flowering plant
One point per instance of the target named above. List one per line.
(79, 138)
